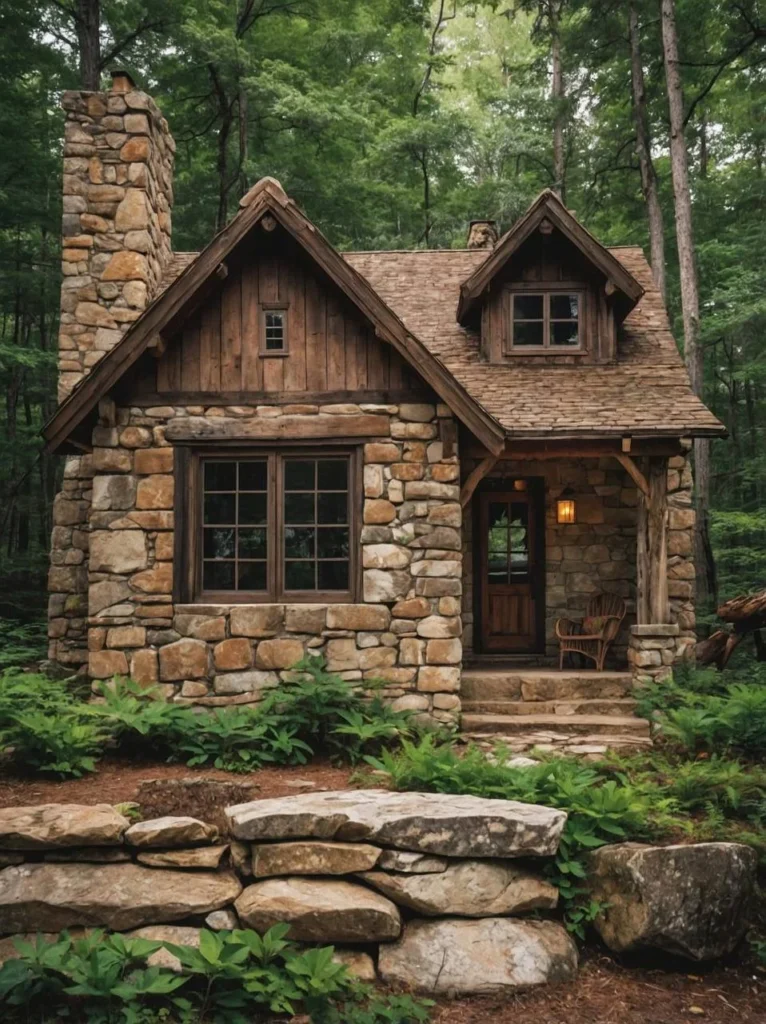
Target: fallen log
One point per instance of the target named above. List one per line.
(718, 648)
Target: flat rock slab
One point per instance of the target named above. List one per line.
(54, 825)
(198, 858)
(412, 863)
(170, 831)
(49, 897)
(319, 910)
(691, 901)
(490, 955)
(441, 823)
(495, 954)
(313, 857)
(468, 888)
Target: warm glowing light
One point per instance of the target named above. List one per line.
(519, 485)
(566, 511)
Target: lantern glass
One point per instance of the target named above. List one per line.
(519, 485)
(566, 511)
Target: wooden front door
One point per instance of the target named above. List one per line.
(509, 569)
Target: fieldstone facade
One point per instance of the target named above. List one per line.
(118, 194)
(404, 632)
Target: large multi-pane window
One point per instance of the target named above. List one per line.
(545, 320)
(276, 526)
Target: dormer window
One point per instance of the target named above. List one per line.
(274, 331)
(545, 321)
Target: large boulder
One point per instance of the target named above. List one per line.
(687, 900)
(468, 888)
(493, 954)
(54, 825)
(456, 826)
(319, 910)
(313, 858)
(49, 897)
(170, 831)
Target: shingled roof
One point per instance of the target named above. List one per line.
(646, 392)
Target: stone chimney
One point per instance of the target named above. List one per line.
(482, 234)
(118, 194)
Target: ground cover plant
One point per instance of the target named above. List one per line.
(239, 977)
(53, 728)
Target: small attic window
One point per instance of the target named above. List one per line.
(274, 331)
(545, 321)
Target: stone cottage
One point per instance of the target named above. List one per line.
(408, 461)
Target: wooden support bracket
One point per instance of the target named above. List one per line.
(475, 477)
(633, 471)
(107, 412)
(157, 346)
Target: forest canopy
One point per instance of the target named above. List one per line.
(394, 123)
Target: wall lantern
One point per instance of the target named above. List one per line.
(566, 507)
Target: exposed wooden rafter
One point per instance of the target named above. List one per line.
(475, 477)
(633, 471)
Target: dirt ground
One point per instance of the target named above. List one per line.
(605, 992)
(118, 781)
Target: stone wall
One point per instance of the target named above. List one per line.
(405, 631)
(118, 193)
(436, 888)
(598, 552)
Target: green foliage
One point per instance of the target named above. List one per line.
(231, 975)
(47, 727)
(22, 643)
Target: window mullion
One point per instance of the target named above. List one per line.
(275, 527)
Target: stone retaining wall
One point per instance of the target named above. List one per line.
(405, 630)
(430, 886)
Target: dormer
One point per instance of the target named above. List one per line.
(549, 292)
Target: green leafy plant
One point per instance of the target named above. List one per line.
(229, 977)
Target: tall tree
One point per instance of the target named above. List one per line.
(649, 185)
(690, 306)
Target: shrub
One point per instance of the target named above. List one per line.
(22, 643)
(231, 976)
(49, 727)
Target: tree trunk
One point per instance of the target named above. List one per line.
(557, 97)
(87, 19)
(679, 162)
(644, 152)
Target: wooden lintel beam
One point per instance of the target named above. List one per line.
(633, 471)
(475, 477)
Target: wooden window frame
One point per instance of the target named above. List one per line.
(546, 293)
(275, 353)
(188, 526)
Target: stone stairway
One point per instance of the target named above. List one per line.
(576, 711)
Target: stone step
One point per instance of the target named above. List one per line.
(563, 708)
(560, 742)
(543, 684)
(571, 725)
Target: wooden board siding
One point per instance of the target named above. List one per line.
(550, 261)
(330, 347)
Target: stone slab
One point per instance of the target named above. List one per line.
(454, 826)
(48, 826)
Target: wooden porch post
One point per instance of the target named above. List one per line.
(652, 545)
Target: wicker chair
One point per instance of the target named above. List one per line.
(594, 645)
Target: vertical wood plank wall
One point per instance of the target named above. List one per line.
(330, 346)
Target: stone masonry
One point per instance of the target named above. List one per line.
(118, 193)
(118, 168)
(405, 632)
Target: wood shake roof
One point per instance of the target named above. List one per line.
(645, 393)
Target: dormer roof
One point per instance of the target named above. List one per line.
(549, 211)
